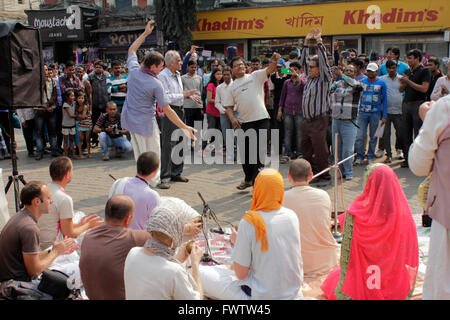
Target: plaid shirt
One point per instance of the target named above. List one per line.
(345, 96)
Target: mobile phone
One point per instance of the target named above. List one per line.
(345, 54)
(199, 49)
(285, 71)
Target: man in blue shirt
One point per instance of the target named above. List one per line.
(373, 105)
(393, 54)
(145, 90)
(117, 85)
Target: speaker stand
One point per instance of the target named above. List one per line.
(15, 177)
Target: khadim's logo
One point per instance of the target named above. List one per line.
(373, 17)
(230, 24)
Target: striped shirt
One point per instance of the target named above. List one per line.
(112, 85)
(316, 93)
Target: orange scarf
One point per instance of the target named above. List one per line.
(268, 195)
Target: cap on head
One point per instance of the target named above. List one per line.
(372, 66)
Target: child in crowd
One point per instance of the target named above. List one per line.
(68, 124)
(84, 117)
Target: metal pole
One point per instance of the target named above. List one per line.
(336, 234)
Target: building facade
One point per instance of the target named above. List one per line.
(368, 26)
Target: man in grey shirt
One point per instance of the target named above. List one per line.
(192, 81)
(394, 114)
(173, 87)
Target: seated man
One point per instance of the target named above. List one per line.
(137, 188)
(111, 132)
(155, 272)
(60, 218)
(20, 256)
(105, 248)
(320, 251)
(267, 255)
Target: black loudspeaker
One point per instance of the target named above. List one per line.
(22, 76)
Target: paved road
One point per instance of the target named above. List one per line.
(91, 182)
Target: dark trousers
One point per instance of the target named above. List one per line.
(251, 170)
(42, 117)
(396, 119)
(277, 125)
(28, 131)
(96, 113)
(59, 136)
(4, 122)
(314, 142)
(168, 168)
(213, 123)
(192, 115)
(411, 124)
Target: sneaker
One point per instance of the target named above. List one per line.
(388, 160)
(39, 156)
(404, 164)
(105, 157)
(379, 153)
(399, 154)
(348, 178)
(358, 162)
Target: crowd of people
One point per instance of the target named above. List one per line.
(143, 247)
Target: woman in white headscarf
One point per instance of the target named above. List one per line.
(155, 272)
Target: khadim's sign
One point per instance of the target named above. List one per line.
(384, 16)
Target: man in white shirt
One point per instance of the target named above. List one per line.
(247, 93)
(173, 87)
(61, 213)
(222, 92)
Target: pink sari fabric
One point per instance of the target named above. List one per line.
(384, 254)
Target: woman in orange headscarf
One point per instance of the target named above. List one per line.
(379, 253)
(266, 255)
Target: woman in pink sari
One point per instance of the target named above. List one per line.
(379, 253)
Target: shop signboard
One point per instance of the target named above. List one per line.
(124, 39)
(361, 17)
(68, 24)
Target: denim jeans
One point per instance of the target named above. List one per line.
(224, 125)
(40, 118)
(364, 120)
(121, 142)
(346, 131)
(292, 130)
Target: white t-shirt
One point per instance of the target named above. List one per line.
(222, 91)
(62, 208)
(150, 277)
(276, 274)
(247, 93)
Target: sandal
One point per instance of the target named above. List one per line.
(388, 160)
(244, 185)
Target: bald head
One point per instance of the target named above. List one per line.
(119, 208)
(300, 170)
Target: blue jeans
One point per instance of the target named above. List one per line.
(42, 117)
(224, 125)
(121, 142)
(346, 131)
(364, 120)
(292, 130)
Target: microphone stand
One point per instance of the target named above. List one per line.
(208, 213)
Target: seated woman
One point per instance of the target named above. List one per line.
(267, 262)
(155, 272)
(379, 253)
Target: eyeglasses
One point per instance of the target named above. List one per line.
(310, 67)
(239, 65)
